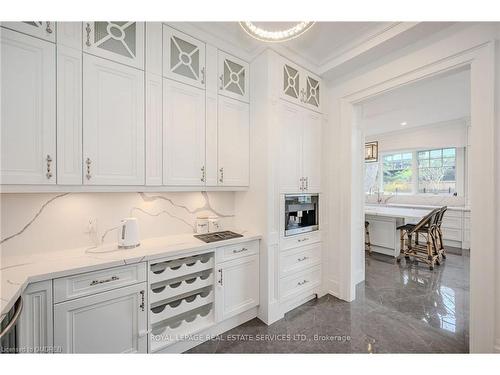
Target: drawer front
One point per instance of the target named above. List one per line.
(300, 282)
(452, 234)
(299, 259)
(300, 240)
(236, 251)
(84, 284)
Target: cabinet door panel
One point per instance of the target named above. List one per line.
(312, 91)
(291, 82)
(69, 34)
(28, 115)
(233, 142)
(183, 58)
(237, 287)
(113, 123)
(108, 322)
(184, 134)
(311, 151)
(233, 77)
(290, 148)
(36, 329)
(120, 41)
(69, 116)
(41, 29)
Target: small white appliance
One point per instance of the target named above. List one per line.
(201, 225)
(214, 225)
(128, 233)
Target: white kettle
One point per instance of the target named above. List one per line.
(128, 233)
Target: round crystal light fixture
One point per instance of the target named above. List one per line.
(278, 35)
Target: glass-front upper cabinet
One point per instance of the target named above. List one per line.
(120, 41)
(300, 86)
(233, 77)
(41, 29)
(183, 58)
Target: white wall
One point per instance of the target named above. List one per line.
(45, 224)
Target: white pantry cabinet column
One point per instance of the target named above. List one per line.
(183, 58)
(41, 29)
(233, 142)
(184, 134)
(237, 287)
(120, 41)
(28, 115)
(107, 322)
(36, 333)
(113, 123)
(311, 151)
(69, 115)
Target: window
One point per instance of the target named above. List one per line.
(437, 171)
(398, 173)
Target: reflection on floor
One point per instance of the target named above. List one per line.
(401, 308)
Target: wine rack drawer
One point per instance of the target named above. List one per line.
(163, 291)
(171, 269)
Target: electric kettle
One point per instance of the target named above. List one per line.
(128, 233)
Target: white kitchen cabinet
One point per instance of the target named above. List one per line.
(311, 151)
(41, 29)
(237, 287)
(233, 142)
(107, 322)
(28, 115)
(154, 129)
(300, 86)
(184, 134)
(36, 322)
(113, 123)
(233, 77)
(183, 58)
(69, 34)
(69, 116)
(120, 41)
(299, 149)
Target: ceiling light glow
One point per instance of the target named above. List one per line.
(275, 36)
(404, 123)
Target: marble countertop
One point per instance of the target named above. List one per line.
(16, 272)
(424, 206)
(402, 212)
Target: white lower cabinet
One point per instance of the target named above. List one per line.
(36, 322)
(107, 322)
(237, 288)
(113, 123)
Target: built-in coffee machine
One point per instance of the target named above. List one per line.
(301, 213)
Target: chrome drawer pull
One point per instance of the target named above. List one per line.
(142, 305)
(240, 251)
(301, 259)
(88, 30)
(97, 282)
(302, 239)
(302, 282)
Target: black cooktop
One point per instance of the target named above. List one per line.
(217, 236)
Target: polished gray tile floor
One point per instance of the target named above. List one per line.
(399, 308)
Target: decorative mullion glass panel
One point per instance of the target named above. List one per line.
(312, 90)
(116, 37)
(291, 85)
(234, 77)
(184, 58)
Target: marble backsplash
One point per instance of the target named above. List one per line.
(431, 200)
(37, 223)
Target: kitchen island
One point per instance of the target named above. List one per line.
(384, 220)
